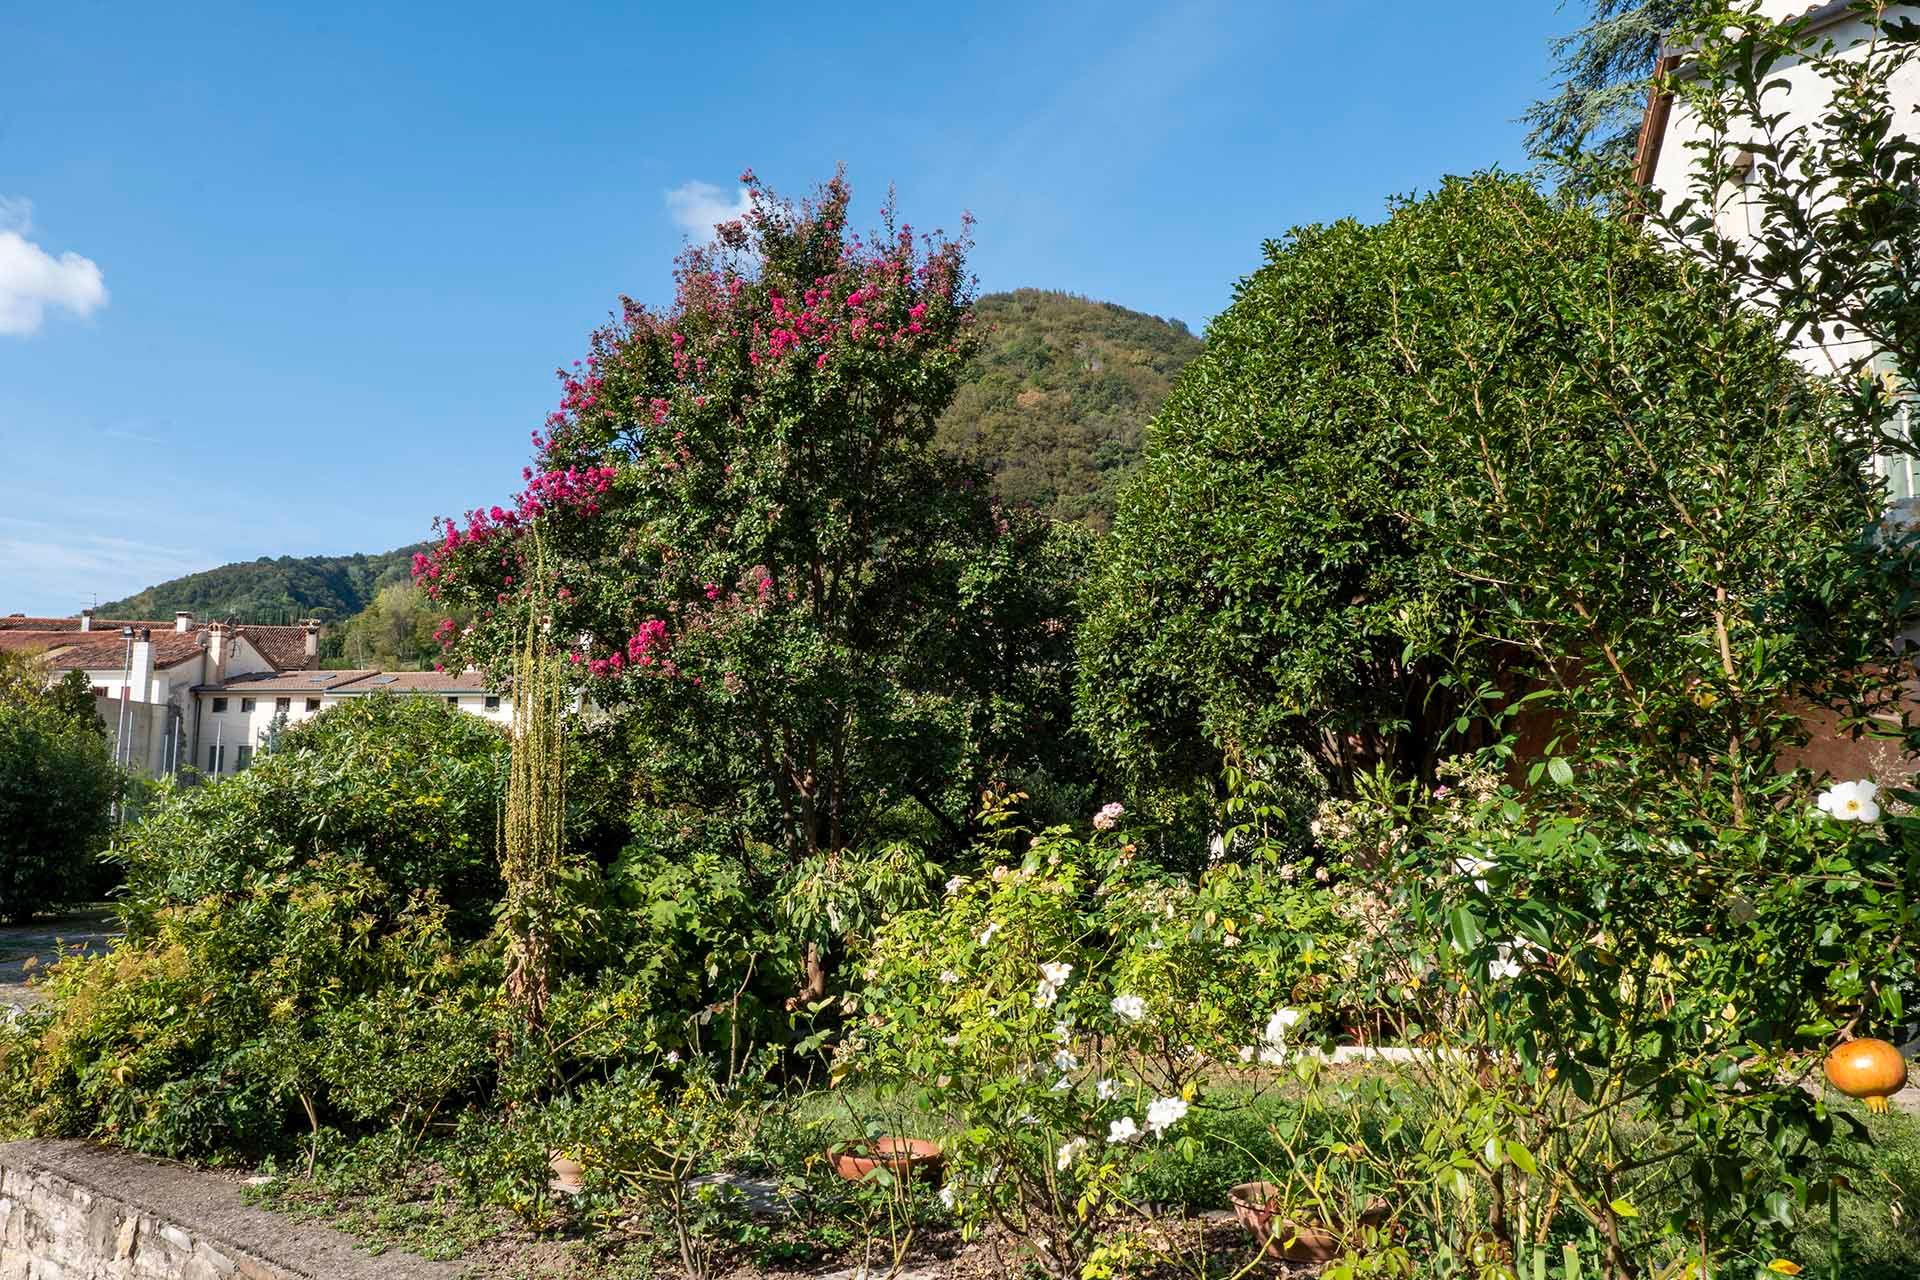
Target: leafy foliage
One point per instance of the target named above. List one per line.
(398, 630)
(286, 589)
(300, 944)
(820, 634)
(1484, 451)
(1608, 67)
(58, 783)
(1055, 404)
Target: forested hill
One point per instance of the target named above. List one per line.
(1061, 394)
(331, 588)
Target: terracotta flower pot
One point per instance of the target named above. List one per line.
(903, 1157)
(569, 1175)
(1257, 1205)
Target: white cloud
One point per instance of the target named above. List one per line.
(31, 279)
(698, 206)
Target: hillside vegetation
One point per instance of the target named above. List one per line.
(331, 588)
(1060, 397)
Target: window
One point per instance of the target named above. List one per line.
(99, 691)
(246, 705)
(283, 704)
(313, 704)
(242, 757)
(493, 702)
(216, 756)
(219, 706)
(452, 701)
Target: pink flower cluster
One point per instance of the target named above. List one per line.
(578, 488)
(644, 649)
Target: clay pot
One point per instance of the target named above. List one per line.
(1257, 1206)
(1871, 1070)
(569, 1175)
(903, 1157)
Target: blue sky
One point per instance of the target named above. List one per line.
(283, 279)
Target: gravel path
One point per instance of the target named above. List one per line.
(25, 950)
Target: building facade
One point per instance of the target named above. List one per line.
(192, 699)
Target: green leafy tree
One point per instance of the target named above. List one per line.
(58, 784)
(823, 635)
(1496, 448)
(1607, 69)
(399, 630)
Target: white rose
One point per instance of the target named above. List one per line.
(1068, 1153)
(1851, 801)
(1057, 973)
(1129, 1008)
(1164, 1113)
(1106, 1090)
(1123, 1130)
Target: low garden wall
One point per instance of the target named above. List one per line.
(69, 1211)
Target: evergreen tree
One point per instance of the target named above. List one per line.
(1606, 68)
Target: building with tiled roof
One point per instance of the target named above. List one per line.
(240, 714)
(144, 673)
(199, 698)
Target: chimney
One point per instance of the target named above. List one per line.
(183, 620)
(140, 668)
(313, 639)
(217, 653)
(86, 619)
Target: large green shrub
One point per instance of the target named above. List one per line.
(410, 787)
(58, 783)
(300, 953)
(1494, 445)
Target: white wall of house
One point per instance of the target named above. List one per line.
(234, 718)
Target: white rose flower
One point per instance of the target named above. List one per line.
(1068, 1153)
(1062, 1085)
(1123, 1130)
(1064, 1059)
(1164, 1113)
(949, 977)
(946, 1196)
(1504, 965)
(673, 1057)
(1106, 1090)
(1246, 1053)
(1044, 995)
(1063, 1030)
(1108, 817)
(1057, 973)
(956, 884)
(986, 934)
(1851, 801)
(1129, 1008)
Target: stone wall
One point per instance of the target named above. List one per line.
(69, 1211)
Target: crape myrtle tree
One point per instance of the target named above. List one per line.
(1494, 449)
(823, 638)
